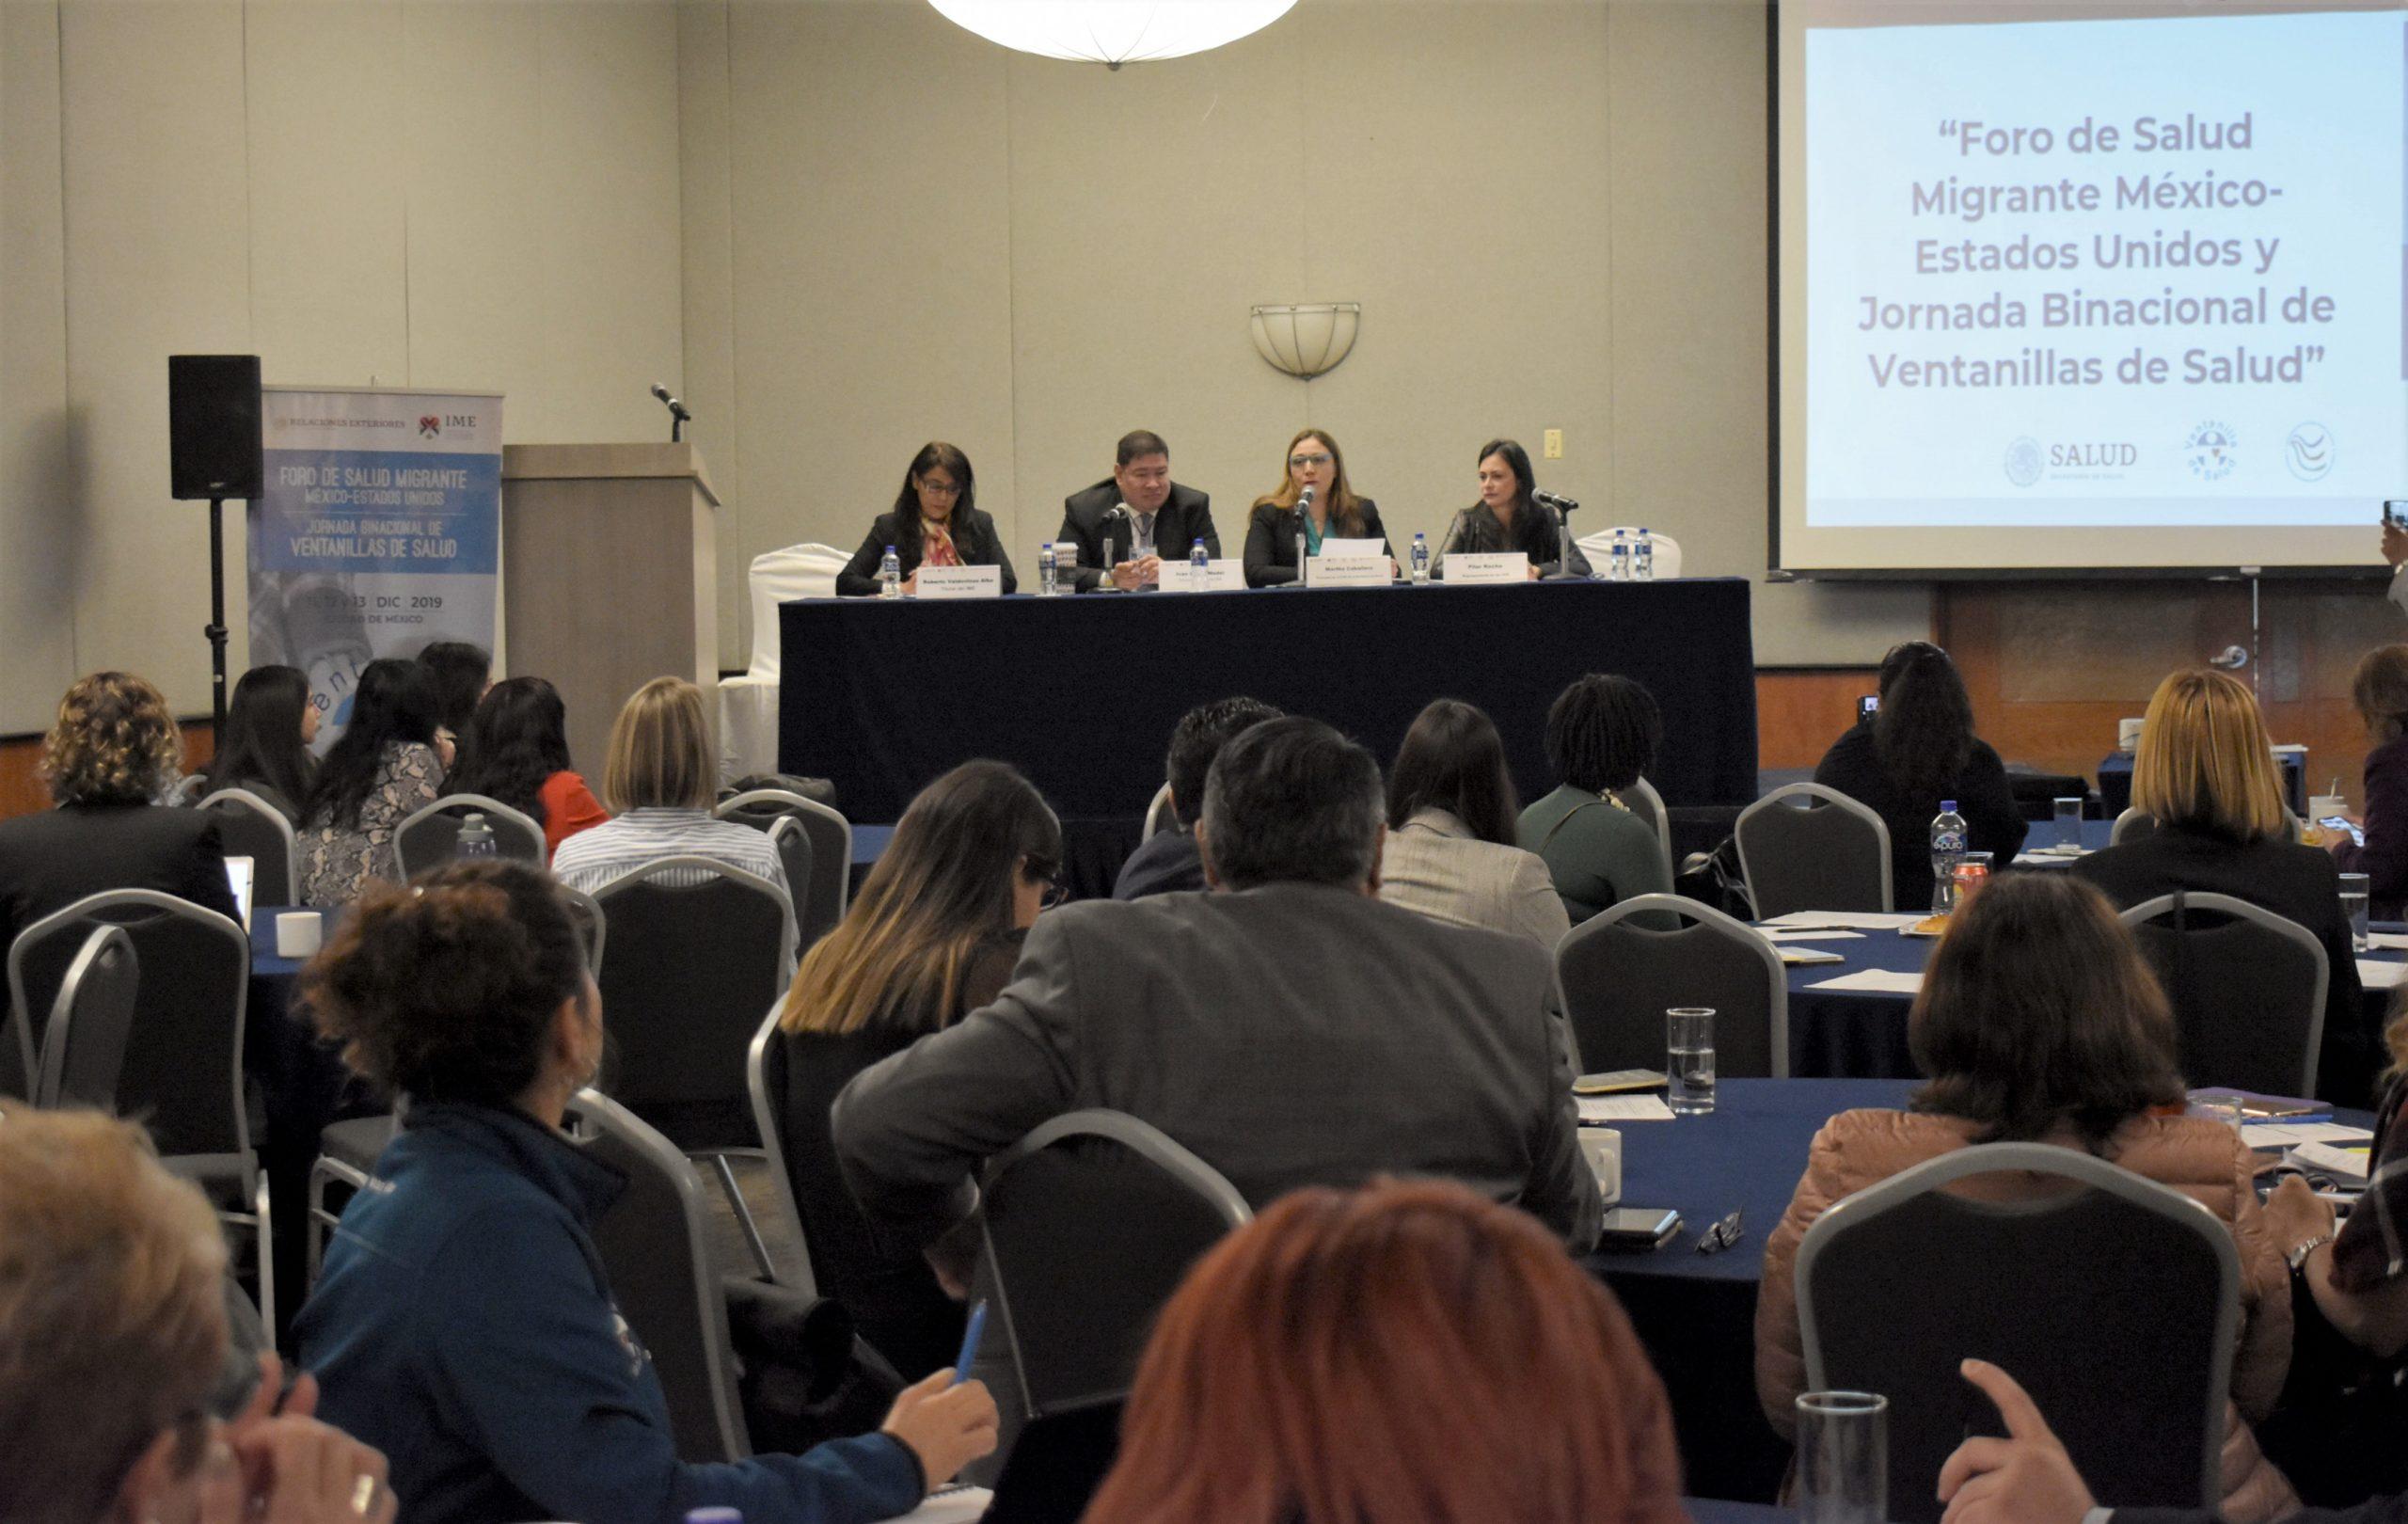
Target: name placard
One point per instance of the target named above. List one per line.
(962, 582)
(1484, 567)
(1347, 571)
(1216, 577)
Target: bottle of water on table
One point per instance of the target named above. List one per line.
(1046, 563)
(1947, 851)
(1643, 557)
(475, 839)
(1618, 560)
(890, 575)
(1199, 556)
(1420, 558)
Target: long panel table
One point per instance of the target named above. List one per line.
(1081, 692)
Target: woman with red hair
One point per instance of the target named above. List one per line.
(1410, 1352)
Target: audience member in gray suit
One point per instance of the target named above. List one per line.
(1290, 1028)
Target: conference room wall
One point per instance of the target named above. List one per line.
(1553, 212)
(470, 193)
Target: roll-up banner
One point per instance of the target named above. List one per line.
(379, 532)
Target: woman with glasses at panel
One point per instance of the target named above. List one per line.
(1335, 512)
(935, 522)
(932, 937)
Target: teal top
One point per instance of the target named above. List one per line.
(1596, 849)
(1313, 536)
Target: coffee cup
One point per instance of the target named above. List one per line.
(298, 933)
(1602, 1148)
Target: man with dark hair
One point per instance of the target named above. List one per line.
(1162, 519)
(1167, 861)
(1291, 1028)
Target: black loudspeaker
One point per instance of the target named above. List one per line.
(214, 425)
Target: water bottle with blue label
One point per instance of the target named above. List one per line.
(1643, 557)
(890, 575)
(1046, 562)
(1618, 563)
(475, 839)
(1947, 851)
(1199, 556)
(1420, 560)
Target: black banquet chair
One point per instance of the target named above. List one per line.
(2247, 988)
(83, 1049)
(1621, 971)
(249, 826)
(821, 900)
(1808, 847)
(429, 836)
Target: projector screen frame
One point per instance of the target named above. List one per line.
(1774, 571)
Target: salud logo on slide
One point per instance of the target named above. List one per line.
(2308, 452)
(2211, 451)
(2023, 461)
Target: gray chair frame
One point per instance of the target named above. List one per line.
(593, 926)
(593, 1115)
(1142, 1138)
(2067, 1164)
(1825, 798)
(492, 809)
(243, 798)
(1744, 940)
(1160, 817)
(787, 953)
(1641, 799)
(838, 878)
(95, 1005)
(185, 790)
(797, 1278)
(238, 1167)
(2290, 931)
(2132, 825)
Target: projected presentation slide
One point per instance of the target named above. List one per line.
(2066, 286)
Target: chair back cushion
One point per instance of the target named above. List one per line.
(2246, 999)
(1821, 857)
(1620, 978)
(247, 831)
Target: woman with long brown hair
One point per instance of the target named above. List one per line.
(2380, 693)
(1314, 463)
(932, 937)
(2039, 1021)
(1410, 1352)
(936, 521)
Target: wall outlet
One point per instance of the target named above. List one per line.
(1554, 445)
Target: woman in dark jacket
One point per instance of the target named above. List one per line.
(935, 522)
(2205, 773)
(1313, 462)
(932, 937)
(463, 1324)
(1917, 753)
(1508, 516)
(2381, 692)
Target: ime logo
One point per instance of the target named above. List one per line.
(2308, 452)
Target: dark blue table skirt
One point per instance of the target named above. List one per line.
(1081, 692)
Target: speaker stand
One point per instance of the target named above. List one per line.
(216, 629)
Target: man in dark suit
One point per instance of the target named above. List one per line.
(1289, 1027)
(1162, 514)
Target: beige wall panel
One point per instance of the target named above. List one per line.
(704, 193)
(157, 264)
(1151, 207)
(1690, 359)
(872, 239)
(39, 436)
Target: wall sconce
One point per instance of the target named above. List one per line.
(1309, 340)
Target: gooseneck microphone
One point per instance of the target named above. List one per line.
(1555, 501)
(677, 414)
(1304, 536)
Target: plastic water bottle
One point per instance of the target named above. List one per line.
(1618, 564)
(1199, 556)
(714, 1516)
(475, 838)
(1947, 851)
(1046, 563)
(1643, 557)
(1420, 558)
(890, 575)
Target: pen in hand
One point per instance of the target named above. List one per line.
(970, 1337)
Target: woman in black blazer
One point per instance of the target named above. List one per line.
(935, 521)
(1918, 751)
(1508, 516)
(2206, 775)
(1314, 461)
(112, 754)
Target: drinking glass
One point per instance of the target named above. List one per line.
(2355, 888)
(1843, 1457)
(1689, 1041)
(2068, 822)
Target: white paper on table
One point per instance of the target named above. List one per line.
(1348, 571)
(1352, 548)
(960, 1506)
(939, 583)
(1875, 981)
(2391, 940)
(1851, 920)
(1807, 956)
(2291, 1134)
(2376, 974)
(1774, 932)
(1217, 577)
(1480, 568)
(1621, 1108)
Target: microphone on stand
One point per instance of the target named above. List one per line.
(1304, 533)
(678, 417)
(1559, 505)
(1118, 514)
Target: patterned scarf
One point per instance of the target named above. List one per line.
(938, 547)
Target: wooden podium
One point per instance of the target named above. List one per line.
(610, 576)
